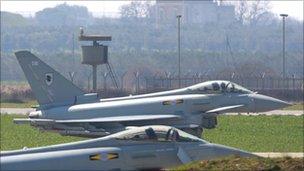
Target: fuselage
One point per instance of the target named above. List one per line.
(118, 151)
(190, 105)
(68, 110)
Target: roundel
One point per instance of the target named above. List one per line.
(49, 78)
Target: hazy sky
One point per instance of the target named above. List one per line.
(293, 8)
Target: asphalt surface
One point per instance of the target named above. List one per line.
(275, 155)
(20, 111)
(25, 111)
(273, 112)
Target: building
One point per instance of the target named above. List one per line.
(194, 12)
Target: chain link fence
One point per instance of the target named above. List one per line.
(290, 88)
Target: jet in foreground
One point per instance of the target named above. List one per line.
(66, 109)
(147, 147)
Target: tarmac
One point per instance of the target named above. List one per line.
(273, 112)
(25, 111)
(276, 155)
(19, 111)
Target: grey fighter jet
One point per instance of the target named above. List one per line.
(147, 147)
(66, 109)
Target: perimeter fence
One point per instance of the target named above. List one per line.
(290, 88)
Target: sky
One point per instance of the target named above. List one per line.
(111, 8)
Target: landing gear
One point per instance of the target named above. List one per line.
(199, 132)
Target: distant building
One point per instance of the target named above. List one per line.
(194, 12)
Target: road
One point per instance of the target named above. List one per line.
(275, 155)
(274, 112)
(20, 111)
(24, 111)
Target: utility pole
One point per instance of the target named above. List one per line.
(284, 61)
(178, 44)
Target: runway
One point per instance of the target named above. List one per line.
(25, 111)
(19, 111)
(276, 155)
(273, 112)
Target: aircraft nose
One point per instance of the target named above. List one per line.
(265, 103)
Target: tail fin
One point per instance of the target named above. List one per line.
(49, 87)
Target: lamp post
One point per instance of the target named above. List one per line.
(284, 61)
(178, 44)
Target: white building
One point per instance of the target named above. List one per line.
(200, 12)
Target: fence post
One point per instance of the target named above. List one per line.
(122, 81)
(232, 76)
(168, 82)
(89, 81)
(293, 81)
(136, 74)
(263, 80)
(105, 75)
(146, 81)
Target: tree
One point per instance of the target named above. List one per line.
(250, 12)
(9, 19)
(257, 11)
(63, 15)
(241, 11)
(135, 10)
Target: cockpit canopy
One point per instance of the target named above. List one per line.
(219, 86)
(156, 133)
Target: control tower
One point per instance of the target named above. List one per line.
(96, 54)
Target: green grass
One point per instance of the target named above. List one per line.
(18, 136)
(27, 104)
(259, 133)
(251, 133)
(237, 163)
(297, 106)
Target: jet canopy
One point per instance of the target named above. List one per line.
(156, 133)
(219, 86)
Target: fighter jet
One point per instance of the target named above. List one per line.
(147, 147)
(66, 109)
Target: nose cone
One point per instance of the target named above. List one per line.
(222, 151)
(265, 103)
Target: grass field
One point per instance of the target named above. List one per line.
(18, 136)
(236, 163)
(297, 106)
(251, 133)
(259, 133)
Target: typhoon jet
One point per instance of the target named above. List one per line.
(66, 109)
(148, 147)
